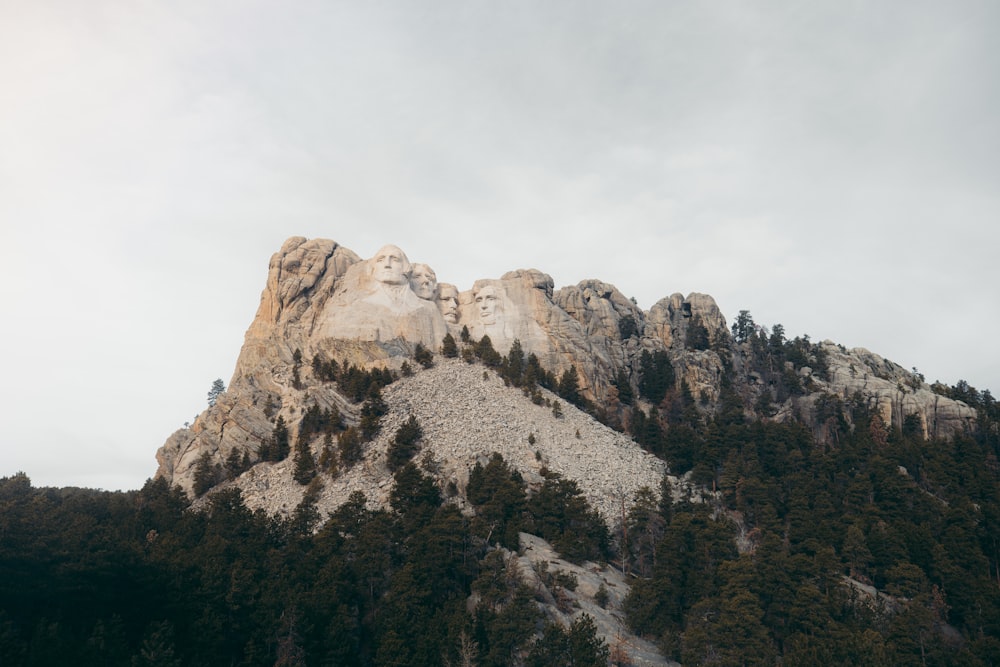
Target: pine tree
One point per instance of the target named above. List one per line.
(372, 411)
(296, 369)
(569, 386)
(204, 474)
(157, 648)
(279, 447)
(414, 496)
(743, 327)
(656, 375)
(514, 365)
(218, 386)
(485, 352)
(350, 446)
(449, 348)
(423, 356)
(404, 444)
(305, 463)
(624, 388)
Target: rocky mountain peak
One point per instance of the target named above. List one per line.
(323, 301)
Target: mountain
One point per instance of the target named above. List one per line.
(323, 302)
(351, 368)
(403, 473)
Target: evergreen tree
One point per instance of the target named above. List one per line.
(404, 444)
(656, 375)
(743, 327)
(350, 446)
(497, 491)
(449, 348)
(514, 364)
(157, 649)
(279, 447)
(569, 387)
(627, 327)
(414, 495)
(372, 411)
(561, 514)
(204, 474)
(305, 463)
(485, 352)
(237, 462)
(328, 456)
(218, 387)
(297, 369)
(624, 388)
(579, 646)
(423, 356)
(697, 335)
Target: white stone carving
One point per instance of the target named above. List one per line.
(423, 281)
(375, 302)
(447, 301)
(487, 300)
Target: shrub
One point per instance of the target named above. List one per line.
(404, 444)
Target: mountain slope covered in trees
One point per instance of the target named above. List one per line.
(841, 539)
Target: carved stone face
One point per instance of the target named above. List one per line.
(447, 302)
(390, 266)
(423, 281)
(487, 301)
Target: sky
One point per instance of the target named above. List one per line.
(833, 166)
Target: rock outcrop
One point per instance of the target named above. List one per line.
(323, 299)
(893, 392)
(465, 417)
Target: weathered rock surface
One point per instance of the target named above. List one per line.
(322, 298)
(465, 418)
(894, 392)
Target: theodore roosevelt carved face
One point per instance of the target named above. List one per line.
(423, 281)
(487, 303)
(447, 301)
(390, 266)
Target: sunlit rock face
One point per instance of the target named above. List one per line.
(383, 300)
(322, 299)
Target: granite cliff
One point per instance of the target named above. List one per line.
(322, 299)
(326, 314)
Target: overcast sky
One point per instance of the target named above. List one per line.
(830, 166)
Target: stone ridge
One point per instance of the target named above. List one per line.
(323, 299)
(465, 417)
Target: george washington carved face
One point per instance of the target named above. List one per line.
(390, 266)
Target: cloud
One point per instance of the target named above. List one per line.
(828, 166)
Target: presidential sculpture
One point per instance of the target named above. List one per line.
(377, 301)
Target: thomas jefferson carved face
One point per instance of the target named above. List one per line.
(487, 302)
(447, 302)
(423, 281)
(390, 266)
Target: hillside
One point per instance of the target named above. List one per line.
(322, 301)
(400, 472)
(465, 418)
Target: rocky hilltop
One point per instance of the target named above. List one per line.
(322, 300)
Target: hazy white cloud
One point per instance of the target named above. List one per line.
(831, 166)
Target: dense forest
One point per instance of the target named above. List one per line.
(870, 546)
(94, 578)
